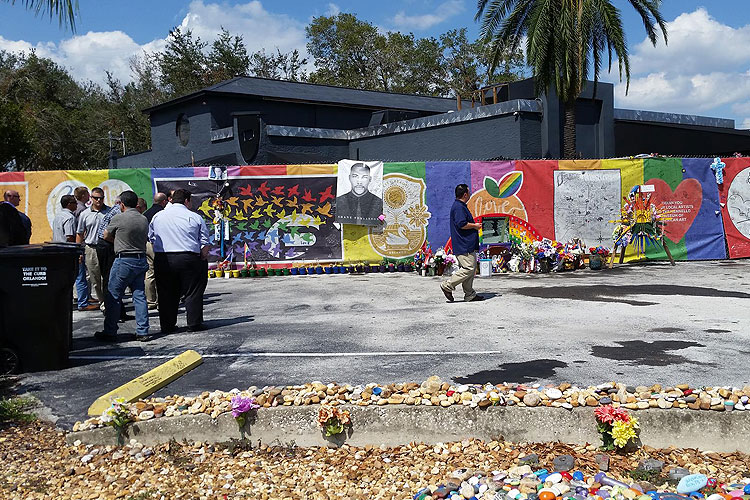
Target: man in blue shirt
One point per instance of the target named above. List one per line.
(465, 241)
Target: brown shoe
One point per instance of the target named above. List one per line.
(448, 295)
(90, 307)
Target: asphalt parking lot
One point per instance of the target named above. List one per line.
(638, 324)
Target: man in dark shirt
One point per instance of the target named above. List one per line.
(465, 241)
(160, 201)
(359, 206)
(128, 231)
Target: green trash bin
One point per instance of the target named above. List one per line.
(36, 305)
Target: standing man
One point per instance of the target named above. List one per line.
(11, 196)
(64, 231)
(64, 223)
(152, 297)
(180, 239)
(88, 225)
(128, 232)
(142, 206)
(83, 292)
(465, 241)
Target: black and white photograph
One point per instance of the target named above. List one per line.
(360, 192)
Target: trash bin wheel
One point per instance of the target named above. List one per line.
(9, 361)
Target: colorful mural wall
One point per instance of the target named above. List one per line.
(285, 213)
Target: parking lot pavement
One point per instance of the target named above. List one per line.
(638, 324)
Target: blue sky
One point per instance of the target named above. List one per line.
(705, 68)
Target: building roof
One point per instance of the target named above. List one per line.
(311, 92)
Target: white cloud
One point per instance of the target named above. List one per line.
(442, 12)
(333, 10)
(89, 56)
(705, 69)
(258, 27)
(745, 124)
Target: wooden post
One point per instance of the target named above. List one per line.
(483, 101)
(494, 94)
(458, 101)
(666, 250)
(622, 255)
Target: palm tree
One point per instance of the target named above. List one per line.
(565, 40)
(64, 10)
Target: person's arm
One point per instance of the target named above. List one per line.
(472, 225)
(109, 233)
(70, 231)
(204, 240)
(81, 232)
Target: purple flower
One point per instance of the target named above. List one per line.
(242, 405)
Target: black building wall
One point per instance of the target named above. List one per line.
(632, 138)
(505, 136)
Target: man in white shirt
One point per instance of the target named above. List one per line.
(180, 240)
(88, 226)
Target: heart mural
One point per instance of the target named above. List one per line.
(681, 206)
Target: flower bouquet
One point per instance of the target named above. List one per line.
(118, 415)
(616, 426)
(333, 420)
(241, 407)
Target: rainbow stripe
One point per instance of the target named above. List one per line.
(510, 184)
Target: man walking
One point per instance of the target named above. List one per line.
(88, 225)
(128, 231)
(465, 241)
(180, 239)
(152, 297)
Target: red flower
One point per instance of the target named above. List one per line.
(605, 414)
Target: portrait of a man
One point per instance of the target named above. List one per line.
(360, 193)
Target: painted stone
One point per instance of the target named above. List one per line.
(546, 494)
(691, 483)
(554, 478)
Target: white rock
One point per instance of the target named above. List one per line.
(553, 393)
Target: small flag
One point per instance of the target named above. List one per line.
(245, 254)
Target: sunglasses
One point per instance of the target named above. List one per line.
(98, 197)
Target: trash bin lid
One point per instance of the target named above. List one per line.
(41, 249)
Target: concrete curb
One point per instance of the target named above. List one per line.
(400, 424)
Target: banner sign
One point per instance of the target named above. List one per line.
(290, 213)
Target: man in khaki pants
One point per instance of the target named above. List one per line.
(465, 241)
(88, 225)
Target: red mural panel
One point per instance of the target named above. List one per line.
(734, 195)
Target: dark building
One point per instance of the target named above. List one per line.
(247, 121)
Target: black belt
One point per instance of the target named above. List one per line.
(133, 255)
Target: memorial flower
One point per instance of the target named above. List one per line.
(118, 415)
(333, 420)
(616, 426)
(241, 406)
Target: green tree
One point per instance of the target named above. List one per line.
(228, 57)
(565, 41)
(183, 64)
(64, 10)
(279, 66)
(468, 65)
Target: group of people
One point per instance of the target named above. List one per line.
(159, 253)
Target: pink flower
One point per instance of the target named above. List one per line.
(242, 405)
(605, 414)
(621, 414)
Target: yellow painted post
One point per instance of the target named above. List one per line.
(149, 382)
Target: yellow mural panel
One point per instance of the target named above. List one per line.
(312, 169)
(44, 192)
(357, 246)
